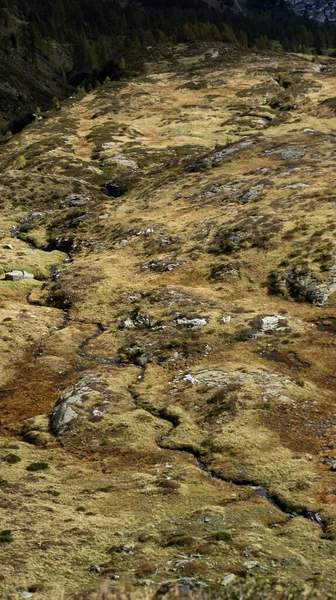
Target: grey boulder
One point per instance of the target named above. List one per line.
(17, 275)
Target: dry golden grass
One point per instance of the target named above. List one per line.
(219, 411)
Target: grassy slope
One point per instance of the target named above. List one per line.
(130, 477)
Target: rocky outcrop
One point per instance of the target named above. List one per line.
(68, 407)
(308, 287)
(215, 158)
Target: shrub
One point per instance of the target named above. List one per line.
(38, 466)
(145, 570)
(284, 80)
(6, 536)
(183, 541)
(11, 459)
(224, 400)
(105, 489)
(56, 103)
(21, 162)
(168, 484)
(223, 536)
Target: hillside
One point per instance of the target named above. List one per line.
(49, 48)
(167, 331)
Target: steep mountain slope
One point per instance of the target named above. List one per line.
(167, 330)
(28, 81)
(322, 10)
(49, 48)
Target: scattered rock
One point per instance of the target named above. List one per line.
(221, 272)
(127, 324)
(8, 247)
(252, 194)
(191, 323)
(142, 361)
(77, 200)
(95, 569)
(123, 161)
(286, 153)
(123, 549)
(260, 122)
(226, 319)
(17, 275)
(228, 579)
(250, 564)
(136, 320)
(297, 186)
(216, 157)
(183, 586)
(160, 266)
(215, 190)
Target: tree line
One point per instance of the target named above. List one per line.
(95, 30)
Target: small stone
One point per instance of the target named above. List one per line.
(252, 194)
(8, 247)
(94, 569)
(333, 467)
(141, 361)
(183, 586)
(191, 323)
(127, 324)
(228, 579)
(250, 564)
(77, 200)
(26, 595)
(124, 548)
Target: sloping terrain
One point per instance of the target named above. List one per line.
(167, 330)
